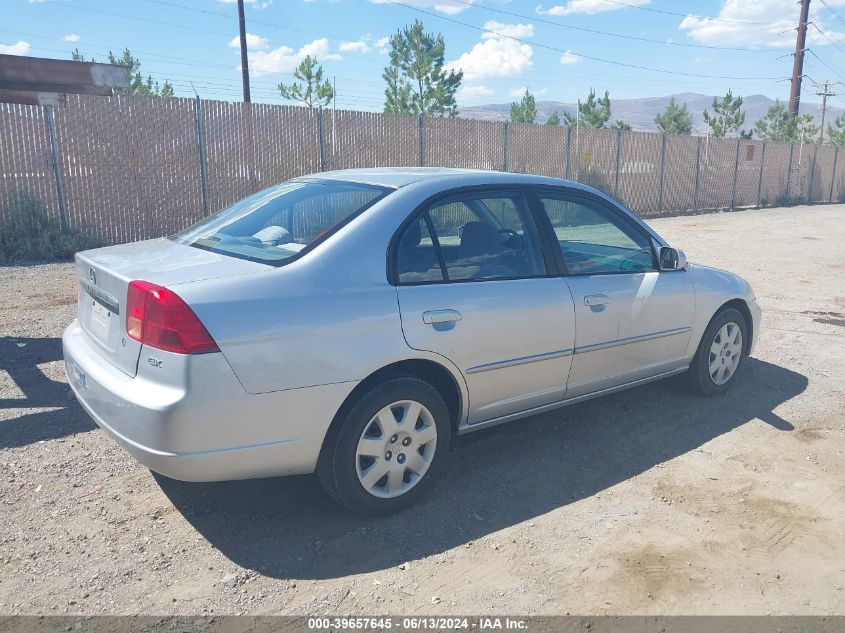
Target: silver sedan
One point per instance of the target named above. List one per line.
(352, 323)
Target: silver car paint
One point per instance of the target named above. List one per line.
(295, 340)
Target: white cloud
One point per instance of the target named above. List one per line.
(588, 7)
(444, 6)
(497, 56)
(18, 48)
(285, 59)
(253, 42)
(475, 91)
(41, 1)
(365, 44)
(569, 57)
(358, 46)
(381, 44)
(520, 92)
(777, 26)
(473, 94)
(71, 37)
(507, 30)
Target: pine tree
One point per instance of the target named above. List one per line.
(836, 132)
(779, 125)
(417, 82)
(314, 91)
(593, 112)
(524, 110)
(554, 119)
(727, 116)
(674, 119)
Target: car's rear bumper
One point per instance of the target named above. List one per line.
(190, 419)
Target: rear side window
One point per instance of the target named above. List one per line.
(593, 240)
(474, 238)
(417, 259)
(276, 225)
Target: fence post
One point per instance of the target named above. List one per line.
(812, 175)
(736, 172)
(788, 173)
(662, 170)
(322, 139)
(506, 141)
(57, 168)
(618, 153)
(203, 162)
(568, 152)
(760, 178)
(422, 139)
(833, 173)
(697, 172)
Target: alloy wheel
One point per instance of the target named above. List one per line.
(725, 353)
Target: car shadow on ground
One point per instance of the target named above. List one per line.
(288, 528)
(20, 357)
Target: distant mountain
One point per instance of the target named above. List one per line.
(640, 113)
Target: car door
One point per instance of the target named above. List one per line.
(473, 286)
(632, 320)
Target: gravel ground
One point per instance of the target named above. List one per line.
(649, 501)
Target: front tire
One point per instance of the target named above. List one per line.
(386, 450)
(720, 355)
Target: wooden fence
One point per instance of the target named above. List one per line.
(132, 168)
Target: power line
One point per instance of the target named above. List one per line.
(607, 33)
(134, 17)
(832, 12)
(836, 44)
(561, 50)
(825, 64)
(683, 15)
(283, 27)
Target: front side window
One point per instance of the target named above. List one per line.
(594, 241)
(474, 238)
(275, 225)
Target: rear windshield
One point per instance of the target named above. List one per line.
(278, 224)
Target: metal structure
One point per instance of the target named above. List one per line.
(38, 81)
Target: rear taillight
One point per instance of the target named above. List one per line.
(158, 317)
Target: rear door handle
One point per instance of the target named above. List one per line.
(441, 316)
(596, 300)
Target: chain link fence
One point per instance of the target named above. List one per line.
(123, 168)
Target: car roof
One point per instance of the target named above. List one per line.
(396, 177)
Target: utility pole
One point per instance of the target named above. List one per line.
(244, 59)
(798, 64)
(824, 93)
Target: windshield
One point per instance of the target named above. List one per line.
(276, 225)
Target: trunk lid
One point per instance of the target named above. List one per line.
(104, 275)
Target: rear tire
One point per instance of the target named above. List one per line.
(720, 355)
(382, 455)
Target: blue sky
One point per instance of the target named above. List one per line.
(502, 45)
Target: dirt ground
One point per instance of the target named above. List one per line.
(649, 501)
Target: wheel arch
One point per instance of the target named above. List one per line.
(434, 373)
(741, 306)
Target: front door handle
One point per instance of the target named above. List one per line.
(433, 317)
(596, 300)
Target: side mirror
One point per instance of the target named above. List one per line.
(672, 259)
